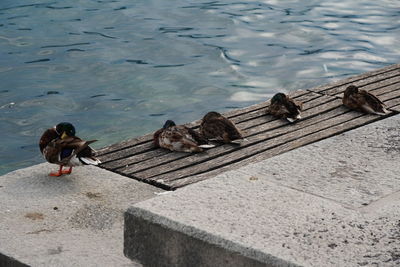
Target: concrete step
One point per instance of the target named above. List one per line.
(72, 220)
(332, 203)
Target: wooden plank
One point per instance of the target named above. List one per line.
(132, 150)
(395, 108)
(381, 79)
(314, 137)
(273, 123)
(323, 116)
(135, 159)
(252, 151)
(372, 75)
(124, 144)
(391, 83)
(237, 114)
(128, 152)
(147, 138)
(255, 143)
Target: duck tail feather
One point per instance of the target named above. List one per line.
(239, 141)
(290, 119)
(207, 146)
(90, 161)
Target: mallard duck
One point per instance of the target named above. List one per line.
(59, 145)
(282, 106)
(214, 126)
(179, 138)
(361, 100)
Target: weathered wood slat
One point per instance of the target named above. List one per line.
(285, 147)
(371, 75)
(252, 151)
(253, 145)
(145, 147)
(148, 137)
(335, 87)
(357, 122)
(248, 124)
(375, 80)
(323, 116)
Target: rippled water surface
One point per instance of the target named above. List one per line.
(119, 69)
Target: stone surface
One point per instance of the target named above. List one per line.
(332, 203)
(72, 220)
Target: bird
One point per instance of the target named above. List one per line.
(179, 138)
(216, 127)
(282, 106)
(59, 145)
(361, 100)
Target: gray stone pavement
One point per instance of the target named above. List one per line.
(72, 220)
(332, 203)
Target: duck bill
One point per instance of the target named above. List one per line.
(64, 135)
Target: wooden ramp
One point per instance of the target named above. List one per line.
(323, 116)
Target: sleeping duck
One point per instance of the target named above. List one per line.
(363, 101)
(282, 106)
(179, 138)
(59, 145)
(214, 126)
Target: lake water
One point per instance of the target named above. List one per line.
(119, 69)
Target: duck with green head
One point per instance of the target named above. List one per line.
(59, 145)
(284, 107)
(363, 101)
(179, 138)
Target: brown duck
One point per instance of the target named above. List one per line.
(282, 106)
(216, 127)
(179, 138)
(363, 101)
(59, 145)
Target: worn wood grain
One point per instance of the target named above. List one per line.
(255, 142)
(253, 150)
(372, 75)
(271, 123)
(323, 116)
(285, 147)
(379, 79)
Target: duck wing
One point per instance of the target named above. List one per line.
(221, 129)
(156, 137)
(74, 146)
(372, 102)
(195, 136)
(292, 107)
(46, 138)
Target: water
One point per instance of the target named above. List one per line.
(119, 69)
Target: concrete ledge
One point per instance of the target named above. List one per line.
(332, 203)
(10, 261)
(72, 220)
(150, 238)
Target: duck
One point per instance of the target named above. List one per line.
(179, 138)
(59, 145)
(361, 100)
(216, 127)
(284, 107)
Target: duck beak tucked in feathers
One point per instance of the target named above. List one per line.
(361, 100)
(179, 138)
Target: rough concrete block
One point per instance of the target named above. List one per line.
(72, 220)
(318, 212)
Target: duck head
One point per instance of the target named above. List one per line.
(278, 98)
(168, 124)
(211, 114)
(352, 89)
(65, 129)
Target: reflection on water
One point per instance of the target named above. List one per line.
(119, 69)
